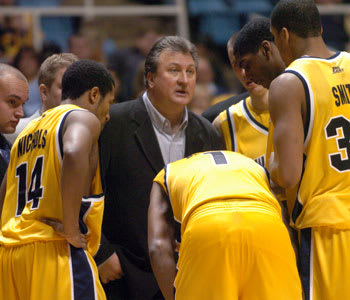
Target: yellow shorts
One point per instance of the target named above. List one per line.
(325, 263)
(48, 270)
(232, 253)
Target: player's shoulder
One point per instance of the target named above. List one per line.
(83, 117)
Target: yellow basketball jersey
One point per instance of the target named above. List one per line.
(324, 189)
(33, 185)
(245, 130)
(215, 176)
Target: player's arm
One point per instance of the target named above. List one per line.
(161, 241)
(80, 134)
(286, 95)
(217, 125)
(3, 192)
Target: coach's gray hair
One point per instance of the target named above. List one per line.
(168, 43)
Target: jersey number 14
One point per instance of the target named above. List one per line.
(35, 191)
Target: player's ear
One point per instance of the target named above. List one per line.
(266, 48)
(94, 95)
(44, 92)
(284, 34)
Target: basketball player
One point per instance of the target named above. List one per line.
(244, 126)
(53, 182)
(234, 244)
(308, 105)
(50, 86)
(13, 94)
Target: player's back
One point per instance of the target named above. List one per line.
(323, 195)
(216, 176)
(33, 180)
(245, 130)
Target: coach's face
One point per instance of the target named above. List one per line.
(174, 81)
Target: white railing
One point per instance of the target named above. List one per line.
(90, 11)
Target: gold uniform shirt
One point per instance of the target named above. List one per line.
(245, 130)
(323, 194)
(216, 176)
(33, 185)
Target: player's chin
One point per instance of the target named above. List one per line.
(10, 129)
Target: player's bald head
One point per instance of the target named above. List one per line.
(7, 70)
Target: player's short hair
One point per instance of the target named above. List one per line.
(299, 16)
(6, 69)
(252, 35)
(52, 64)
(82, 76)
(168, 43)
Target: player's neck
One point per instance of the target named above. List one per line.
(314, 47)
(260, 102)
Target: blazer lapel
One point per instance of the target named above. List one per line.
(146, 137)
(194, 138)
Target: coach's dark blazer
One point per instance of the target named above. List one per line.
(3, 164)
(130, 159)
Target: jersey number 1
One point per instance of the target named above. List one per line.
(35, 192)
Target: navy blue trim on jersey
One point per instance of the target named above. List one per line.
(251, 116)
(96, 196)
(165, 180)
(177, 231)
(83, 279)
(329, 58)
(304, 260)
(298, 207)
(231, 129)
(307, 98)
(84, 207)
(60, 137)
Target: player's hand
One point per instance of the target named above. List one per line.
(110, 269)
(75, 238)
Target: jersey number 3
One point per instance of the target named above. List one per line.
(343, 124)
(35, 191)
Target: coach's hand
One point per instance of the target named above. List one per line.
(110, 269)
(75, 238)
